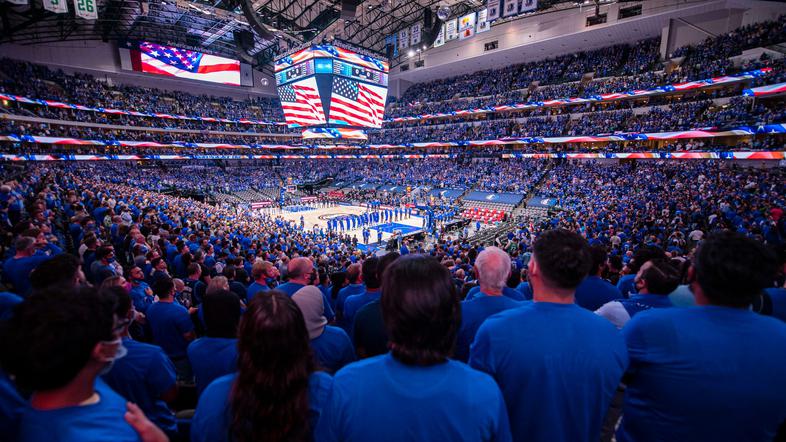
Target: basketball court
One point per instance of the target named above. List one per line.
(319, 216)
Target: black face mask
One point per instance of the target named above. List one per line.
(312, 278)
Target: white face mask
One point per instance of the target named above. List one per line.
(120, 352)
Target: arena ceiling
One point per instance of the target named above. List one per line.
(211, 25)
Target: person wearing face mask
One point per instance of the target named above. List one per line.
(103, 266)
(57, 344)
(145, 375)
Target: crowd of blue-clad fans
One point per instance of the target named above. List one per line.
(630, 312)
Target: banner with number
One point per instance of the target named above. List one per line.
(414, 34)
(440, 40)
(87, 9)
(511, 8)
(451, 30)
(528, 5)
(403, 39)
(467, 25)
(56, 6)
(483, 23)
(493, 8)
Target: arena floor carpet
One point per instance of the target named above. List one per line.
(319, 217)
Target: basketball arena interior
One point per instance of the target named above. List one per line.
(393, 220)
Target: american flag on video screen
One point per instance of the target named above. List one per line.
(356, 104)
(175, 62)
(301, 104)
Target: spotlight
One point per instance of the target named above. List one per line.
(443, 12)
(411, 53)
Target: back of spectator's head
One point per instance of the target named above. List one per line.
(62, 271)
(643, 255)
(25, 244)
(493, 268)
(353, 273)
(599, 257)
(730, 269)
(658, 276)
(229, 272)
(370, 277)
(193, 270)
(420, 307)
(163, 287)
(222, 314)
(384, 262)
(55, 334)
(217, 284)
(561, 257)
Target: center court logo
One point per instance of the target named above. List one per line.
(329, 216)
(492, 197)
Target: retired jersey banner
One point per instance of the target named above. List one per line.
(483, 23)
(403, 39)
(528, 5)
(390, 40)
(87, 9)
(440, 40)
(493, 10)
(56, 6)
(467, 26)
(511, 8)
(451, 30)
(414, 34)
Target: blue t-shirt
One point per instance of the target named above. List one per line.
(593, 292)
(17, 271)
(254, 288)
(778, 298)
(506, 291)
(169, 322)
(353, 304)
(142, 376)
(525, 290)
(212, 420)
(333, 349)
(212, 358)
(12, 406)
(704, 374)
(140, 297)
(473, 313)
(99, 422)
(382, 399)
(346, 292)
(627, 285)
(558, 366)
(8, 302)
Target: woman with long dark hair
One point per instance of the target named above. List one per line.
(276, 394)
(415, 392)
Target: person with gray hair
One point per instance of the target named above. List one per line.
(492, 266)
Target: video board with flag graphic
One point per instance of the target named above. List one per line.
(170, 61)
(332, 86)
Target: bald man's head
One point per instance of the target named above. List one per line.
(353, 273)
(299, 270)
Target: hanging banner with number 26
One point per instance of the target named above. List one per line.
(86, 9)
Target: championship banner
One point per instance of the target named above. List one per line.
(440, 40)
(493, 10)
(451, 29)
(467, 26)
(86, 9)
(403, 39)
(56, 6)
(511, 8)
(414, 34)
(483, 23)
(528, 5)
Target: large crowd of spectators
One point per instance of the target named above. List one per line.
(217, 307)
